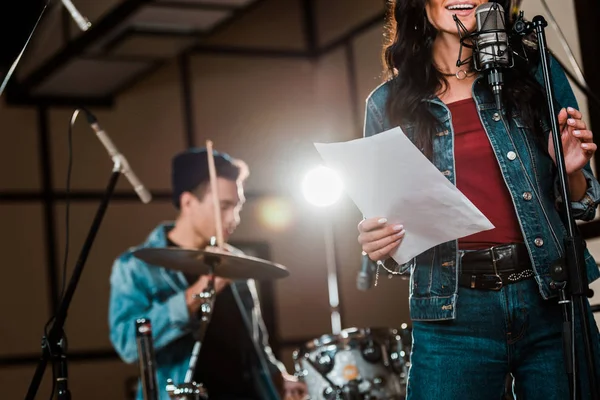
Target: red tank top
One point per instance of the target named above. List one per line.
(478, 176)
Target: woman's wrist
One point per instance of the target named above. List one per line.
(577, 185)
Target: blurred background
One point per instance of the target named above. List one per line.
(264, 80)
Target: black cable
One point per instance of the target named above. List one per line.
(67, 200)
(66, 253)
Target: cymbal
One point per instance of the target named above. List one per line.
(230, 266)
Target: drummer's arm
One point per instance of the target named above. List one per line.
(130, 299)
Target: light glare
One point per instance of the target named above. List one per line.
(275, 213)
(322, 187)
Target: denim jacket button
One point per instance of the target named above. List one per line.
(539, 242)
(496, 117)
(511, 155)
(527, 196)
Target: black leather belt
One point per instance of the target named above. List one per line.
(491, 269)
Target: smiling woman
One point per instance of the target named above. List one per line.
(410, 52)
(483, 306)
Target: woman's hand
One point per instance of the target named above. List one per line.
(379, 240)
(577, 141)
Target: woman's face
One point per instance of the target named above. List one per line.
(440, 14)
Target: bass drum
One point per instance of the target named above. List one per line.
(369, 363)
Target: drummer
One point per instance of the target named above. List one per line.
(230, 365)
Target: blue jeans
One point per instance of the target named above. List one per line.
(495, 333)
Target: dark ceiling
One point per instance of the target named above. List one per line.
(17, 19)
(128, 41)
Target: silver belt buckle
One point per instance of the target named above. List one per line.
(499, 283)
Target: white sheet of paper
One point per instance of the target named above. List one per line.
(387, 176)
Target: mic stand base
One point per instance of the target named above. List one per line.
(60, 361)
(53, 344)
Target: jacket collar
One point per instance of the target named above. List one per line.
(158, 237)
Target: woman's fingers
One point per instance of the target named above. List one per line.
(367, 225)
(385, 252)
(377, 245)
(382, 233)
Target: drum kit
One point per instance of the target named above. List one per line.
(365, 364)
(356, 364)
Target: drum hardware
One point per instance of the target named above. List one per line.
(355, 389)
(371, 351)
(324, 362)
(187, 391)
(356, 364)
(190, 390)
(332, 391)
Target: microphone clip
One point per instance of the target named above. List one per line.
(466, 40)
(521, 27)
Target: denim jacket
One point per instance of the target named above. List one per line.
(529, 174)
(140, 290)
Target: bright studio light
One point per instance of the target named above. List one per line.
(322, 187)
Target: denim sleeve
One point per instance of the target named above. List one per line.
(585, 209)
(373, 119)
(130, 300)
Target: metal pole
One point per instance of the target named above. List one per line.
(332, 278)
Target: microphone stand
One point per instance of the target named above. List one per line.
(54, 344)
(568, 273)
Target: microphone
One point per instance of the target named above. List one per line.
(116, 156)
(491, 50)
(364, 279)
(145, 350)
(81, 21)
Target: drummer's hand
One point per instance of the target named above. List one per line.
(378, 238)
(194, 302)
(293, 388)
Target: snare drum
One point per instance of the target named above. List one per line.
(367, 363)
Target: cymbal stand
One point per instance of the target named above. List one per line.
(207, 296)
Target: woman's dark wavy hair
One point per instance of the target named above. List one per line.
(408, 58)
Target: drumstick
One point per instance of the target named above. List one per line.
(213, 186)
